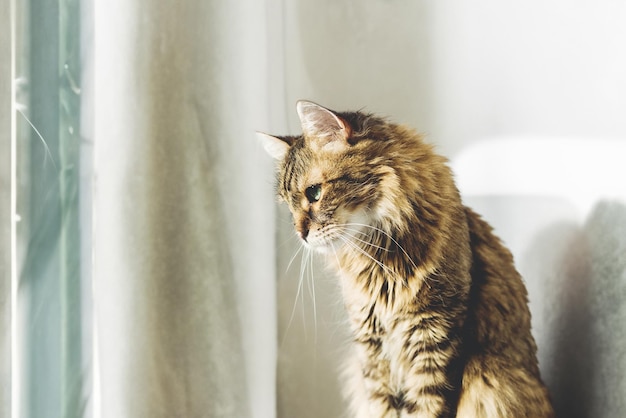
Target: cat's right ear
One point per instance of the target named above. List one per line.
(276, 147)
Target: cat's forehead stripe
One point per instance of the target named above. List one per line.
(316, 175)
(289, 172)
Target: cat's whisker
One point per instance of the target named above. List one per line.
(349, 237)
(306, 274)
(363, 252)
(370, 244)
(360, 250)
(389, 236)
(294, 257)
(303, 271)
(355, 230)
(298, 291)
(283, 243)
(312, 291)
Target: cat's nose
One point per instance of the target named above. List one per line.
(303, 228)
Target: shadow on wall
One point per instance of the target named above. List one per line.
(582, 269)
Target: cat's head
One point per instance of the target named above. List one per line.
(338, 177)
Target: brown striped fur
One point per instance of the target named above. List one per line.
(438, 312)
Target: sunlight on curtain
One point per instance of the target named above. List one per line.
(183, 249)
(183, 230)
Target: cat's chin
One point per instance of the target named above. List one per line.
(323, 248)
(325, 245)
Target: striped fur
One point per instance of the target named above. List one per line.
(438, 312)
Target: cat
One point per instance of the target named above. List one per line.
(439, 315)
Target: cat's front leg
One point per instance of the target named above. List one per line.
(368, 387)
(421, 401)
(428, 381)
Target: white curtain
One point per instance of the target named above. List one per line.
(184, 283)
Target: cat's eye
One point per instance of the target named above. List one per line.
(313, 193)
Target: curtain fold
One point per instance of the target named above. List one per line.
(183, 232)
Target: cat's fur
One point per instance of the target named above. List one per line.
(438, 312)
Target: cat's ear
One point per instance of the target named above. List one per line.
(327, 130)
(275, 146)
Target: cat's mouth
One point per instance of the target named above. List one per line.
(331, 238)
(345, 229)
(323, 240)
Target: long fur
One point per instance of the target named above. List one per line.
(437, 309)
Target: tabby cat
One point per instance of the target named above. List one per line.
(438, 312)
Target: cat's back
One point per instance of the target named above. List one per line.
(498, 306)
(501, 376)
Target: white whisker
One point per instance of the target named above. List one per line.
(370, 244)
(363, 252)
(293, 258)
(312, 291)
(298, 291)
(303, 265)
(389, 236)
(355, 230)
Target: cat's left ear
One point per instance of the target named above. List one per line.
(323, 127)
(275, 146)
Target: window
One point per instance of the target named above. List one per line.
(52, 362)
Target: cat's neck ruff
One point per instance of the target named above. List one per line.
(380, 273)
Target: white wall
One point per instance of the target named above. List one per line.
(553, 68)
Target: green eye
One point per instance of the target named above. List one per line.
(313, 193)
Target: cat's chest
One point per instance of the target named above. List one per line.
(387, 332)
(398, 340)
(394, 351)
(397, 335)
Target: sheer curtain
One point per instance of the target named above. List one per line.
(184, 281)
